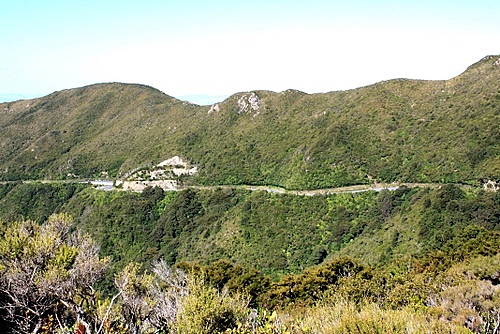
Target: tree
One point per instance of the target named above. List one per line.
(47, 272)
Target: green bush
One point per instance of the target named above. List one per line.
(207, 310)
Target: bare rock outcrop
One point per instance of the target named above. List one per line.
(249, 102)
(491, 186)
(213, 108)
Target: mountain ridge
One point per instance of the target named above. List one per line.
(290, 139)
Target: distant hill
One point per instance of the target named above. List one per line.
(16, 97)
(398, 130)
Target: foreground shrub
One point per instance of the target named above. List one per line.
(207, 310)
(346, 317)
(47, 272)
(470, 295)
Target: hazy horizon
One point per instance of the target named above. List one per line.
(216, 48)
(207, 99)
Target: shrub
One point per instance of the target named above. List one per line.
(207, 310)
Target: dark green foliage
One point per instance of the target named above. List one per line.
(229, 232)
(6, 188)
(276, 234)
(121, 222)
(223, 274)
(34, 201)
(449, 211)
(419, 242)
(179, 219)
(472, 241)
(310, 285)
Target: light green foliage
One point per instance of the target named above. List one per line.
(346, 317)
(207, 310)
(165, 202)
(36, 246)
(43, 266)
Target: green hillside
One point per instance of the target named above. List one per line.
(275, 233)
(238, 258)
(398, 130)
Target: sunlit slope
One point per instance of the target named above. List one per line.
(398, 130)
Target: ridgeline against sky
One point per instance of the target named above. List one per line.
(217, 47)
(443, 131)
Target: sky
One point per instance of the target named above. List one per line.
(206, 50)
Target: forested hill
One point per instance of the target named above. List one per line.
(399, 130)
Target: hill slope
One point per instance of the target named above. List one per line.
(398, 130)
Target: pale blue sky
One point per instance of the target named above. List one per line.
(223, 47)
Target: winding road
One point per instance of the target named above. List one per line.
(108, 185)
(328, 191)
